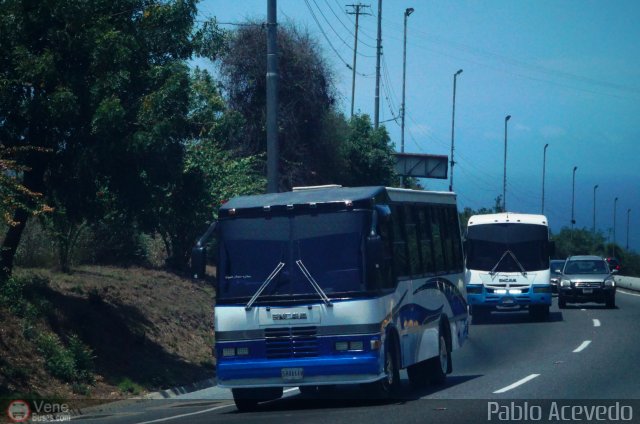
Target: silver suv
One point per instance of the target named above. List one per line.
(586, 279)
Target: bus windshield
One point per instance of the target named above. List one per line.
(328, 245)
(487, 244)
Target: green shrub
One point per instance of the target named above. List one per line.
(128, 386)
(72, 364)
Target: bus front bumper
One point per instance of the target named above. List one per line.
(351, 369)
(491, 298)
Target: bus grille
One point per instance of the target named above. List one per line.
(291, 342)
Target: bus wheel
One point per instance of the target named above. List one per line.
(479, 314)
(248, 399)
(437, 366)
(390, 384)
(562, 302)
(539, 312)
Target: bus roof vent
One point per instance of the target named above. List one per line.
(318, 187)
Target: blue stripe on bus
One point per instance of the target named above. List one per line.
(313, 367)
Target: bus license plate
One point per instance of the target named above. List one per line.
(587, 291)
(508, 301)
(292, 374)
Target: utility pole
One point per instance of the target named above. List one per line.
(628, 214)
(376, 110)
(453, 121)
(272, 97)
(544, 170)
(504, 180)
(407, 12)
(355, 10)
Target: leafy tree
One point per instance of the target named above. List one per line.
(103, 87)
(306, 98)
(468, 213)
(367, 154)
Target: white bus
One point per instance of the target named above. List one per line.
(507, 264)
(329, 285)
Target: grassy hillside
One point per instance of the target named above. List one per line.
(103, 332)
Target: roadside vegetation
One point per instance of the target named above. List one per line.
(115, 153)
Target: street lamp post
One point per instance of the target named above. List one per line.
(594, 208)
(628, 213)
(544, 165)
(407, 12)
(504, 181)
(453, 120)
(615, 205)
(573, 196)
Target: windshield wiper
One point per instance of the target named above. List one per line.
(522, 270)
(313, 283)
(264, 285)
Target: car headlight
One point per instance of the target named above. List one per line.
(565, 283)
(610, 282)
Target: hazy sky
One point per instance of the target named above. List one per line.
(568, 72)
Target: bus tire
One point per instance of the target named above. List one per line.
(562, 302)
(479, 314)
(438, 366)
(248, 399)
(390, 385)
(539, 312)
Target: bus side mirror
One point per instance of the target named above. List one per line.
(552, 248)
(374, 253)
(198, 262)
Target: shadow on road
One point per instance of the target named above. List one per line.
(519, 317)
(356, 396)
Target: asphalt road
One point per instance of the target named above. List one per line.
(585, 357)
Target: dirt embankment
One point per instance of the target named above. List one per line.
(103, 333)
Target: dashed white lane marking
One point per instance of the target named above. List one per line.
(517, 383)
(583, 309)
(596, 322)
(583, 346)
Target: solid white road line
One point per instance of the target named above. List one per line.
(204, 411)
(627, 292)
(175, 417)
(582, 346)
(517, 383)
(596, 322)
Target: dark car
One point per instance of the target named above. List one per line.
(614, 264)
(555, 267)
(586, 279)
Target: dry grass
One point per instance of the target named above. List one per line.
(146, 328)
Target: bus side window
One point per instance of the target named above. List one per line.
(454, 231)
(400, 251)
(436, 233)
(425, 240)
(387, 275)
(411, 232)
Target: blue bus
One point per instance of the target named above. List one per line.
(330, 285)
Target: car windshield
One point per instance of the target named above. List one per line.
(328, 245)
(487, 244)
(556, 267)
(586, 267)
